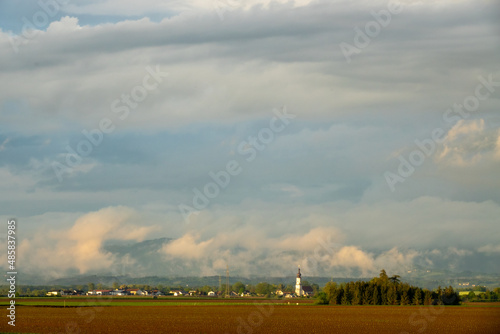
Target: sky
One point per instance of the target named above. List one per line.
(341, 136)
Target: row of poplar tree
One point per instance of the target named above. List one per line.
(384, 290)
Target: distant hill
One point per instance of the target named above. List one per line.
(138, 249)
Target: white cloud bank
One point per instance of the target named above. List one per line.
(54, 251)
(330, 242)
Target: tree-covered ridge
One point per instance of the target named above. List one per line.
(384, 290)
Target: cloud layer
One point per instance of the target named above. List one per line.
(115, 113)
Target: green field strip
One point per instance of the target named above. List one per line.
(107, 304)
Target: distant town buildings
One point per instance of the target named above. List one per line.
(73, 292)
(124, 292)
(278, 291)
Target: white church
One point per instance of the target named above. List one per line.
(299, 290)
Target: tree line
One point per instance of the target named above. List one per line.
(384, 290)
(485, 295)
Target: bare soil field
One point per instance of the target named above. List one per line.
(255, 318)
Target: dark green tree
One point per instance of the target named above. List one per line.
(238, 287)
(394, 279)
(427, 297)
(391, 296)
(315, 288)
(321, 298)
(417, 297)
(376, 297)
(367, 295)
(356, 297)
(383, 276)
(405, 300)
(449, 296)
(263, 288)
(471, 296)
(346, 299)
(331, 292)
(383, 295)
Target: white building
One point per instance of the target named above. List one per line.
(298, 285)
(178, 293)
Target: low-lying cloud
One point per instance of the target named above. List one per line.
(321, 246)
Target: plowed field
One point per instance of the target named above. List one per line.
(254, 318)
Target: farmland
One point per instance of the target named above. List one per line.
(243, 316)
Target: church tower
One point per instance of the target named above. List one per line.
(298, 284)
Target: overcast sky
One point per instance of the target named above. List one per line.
(370, 127)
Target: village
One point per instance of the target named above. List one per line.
(236, 290)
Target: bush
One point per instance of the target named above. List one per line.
(321, 299)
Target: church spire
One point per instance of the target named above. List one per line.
(298, 284)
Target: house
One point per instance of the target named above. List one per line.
(72, 292)
(178, 293)
(246, 294)
(281, 293)
(119, 292)
(53, 293)
(193, 292)
(99, 292)
(102, 292)
(132, 292)
(158, 293)
(212, 294)
(65, 292)
(307, 291)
